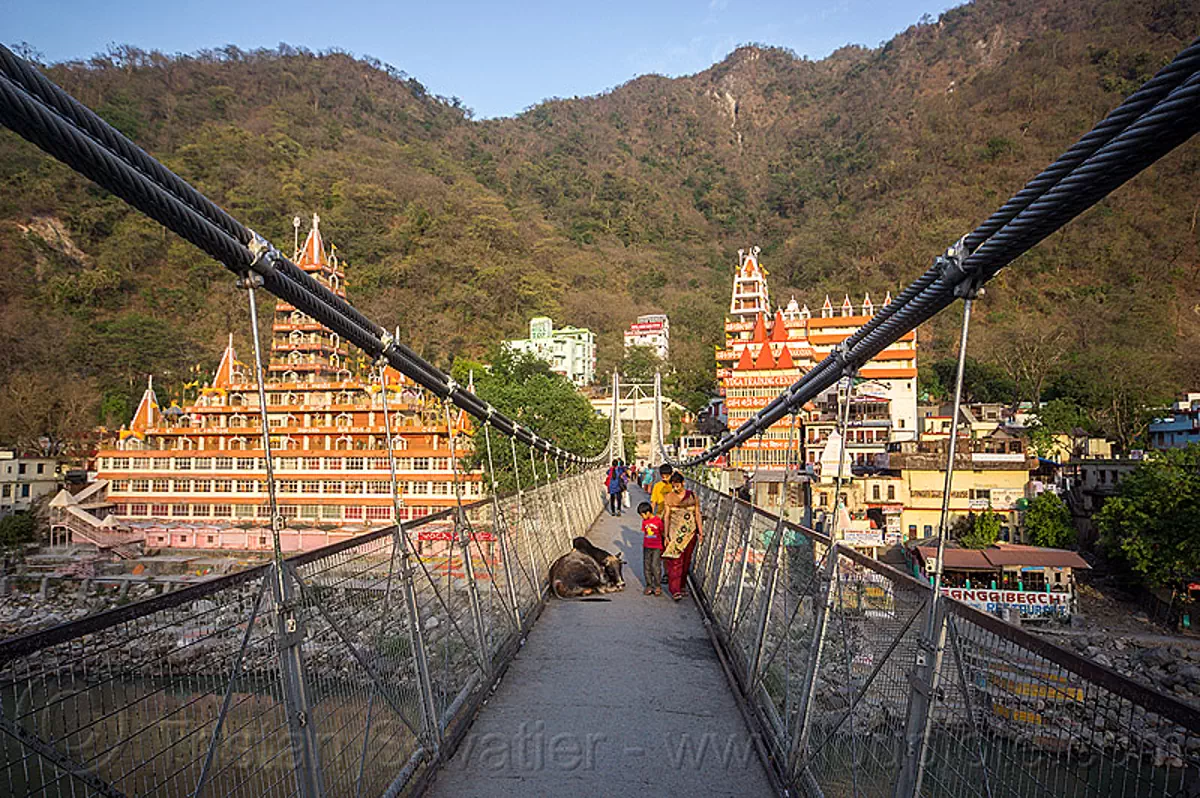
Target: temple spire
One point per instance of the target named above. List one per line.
(224, 376)
(313, 251)
(146, 415)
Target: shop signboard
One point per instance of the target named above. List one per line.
(1028, 603)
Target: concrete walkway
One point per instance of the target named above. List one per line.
(586, 707)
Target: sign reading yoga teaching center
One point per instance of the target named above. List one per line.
(1027, 602)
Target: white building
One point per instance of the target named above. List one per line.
(652, 330)
(570, 351)
(750, 296)
(24, 480)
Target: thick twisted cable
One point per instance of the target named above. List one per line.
(1150, 94)
(1147, 99)
(1153, 135)
(124, 153)
(29, 117)
(88, 124)
(1182, 68)
(54, 97)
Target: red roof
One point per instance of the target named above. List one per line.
(146, 414)
(744, 362)
(760, 330)
(765, 359)
(779, 331)
(785, 359)
(1016, 554)
(1003, 554)
(958, 559)
(224, 375)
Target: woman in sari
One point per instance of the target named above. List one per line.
(681, 519)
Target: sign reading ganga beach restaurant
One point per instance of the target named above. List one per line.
(1027, 602)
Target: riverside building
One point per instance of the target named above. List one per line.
(194, 477)
(767, 350)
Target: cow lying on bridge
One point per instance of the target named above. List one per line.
(586, 569)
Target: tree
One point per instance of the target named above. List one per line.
(1048, 522)
(639, 364)
(1029, 355)
(1057, 417)
(983, 530)
(47, 415)
(929, 384)
(523, 388)
(982, 382)
(691, 386)
(1117, 388)
(1153, 524)
(17, 529)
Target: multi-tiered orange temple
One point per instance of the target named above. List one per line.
(194, 477)
(766, 350)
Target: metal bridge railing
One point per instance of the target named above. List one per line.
(826, 646)
(184, 693)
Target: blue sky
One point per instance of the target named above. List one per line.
(499, 58)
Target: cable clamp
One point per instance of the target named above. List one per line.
(385, 341)
(967, 284)
(451, 387)
(841, 356)
(264, 255)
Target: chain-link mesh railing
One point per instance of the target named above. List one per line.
(826, 646)
(183, 693)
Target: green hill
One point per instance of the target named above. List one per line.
(850, 172)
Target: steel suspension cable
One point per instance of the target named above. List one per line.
(501, 528)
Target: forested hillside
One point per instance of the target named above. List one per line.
(850, 172)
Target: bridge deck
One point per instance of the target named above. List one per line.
(622, 697)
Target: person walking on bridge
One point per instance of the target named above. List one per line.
(661, 488)
(615, 482)
(682, 522)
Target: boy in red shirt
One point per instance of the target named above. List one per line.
(652, 549)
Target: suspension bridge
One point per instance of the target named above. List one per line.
(798, 667)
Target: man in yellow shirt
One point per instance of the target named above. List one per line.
(661, 488)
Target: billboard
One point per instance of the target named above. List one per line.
(1027, 602)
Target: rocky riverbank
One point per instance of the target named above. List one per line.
(1173, 667)
(22, 612)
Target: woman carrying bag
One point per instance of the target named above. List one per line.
(681, 518)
